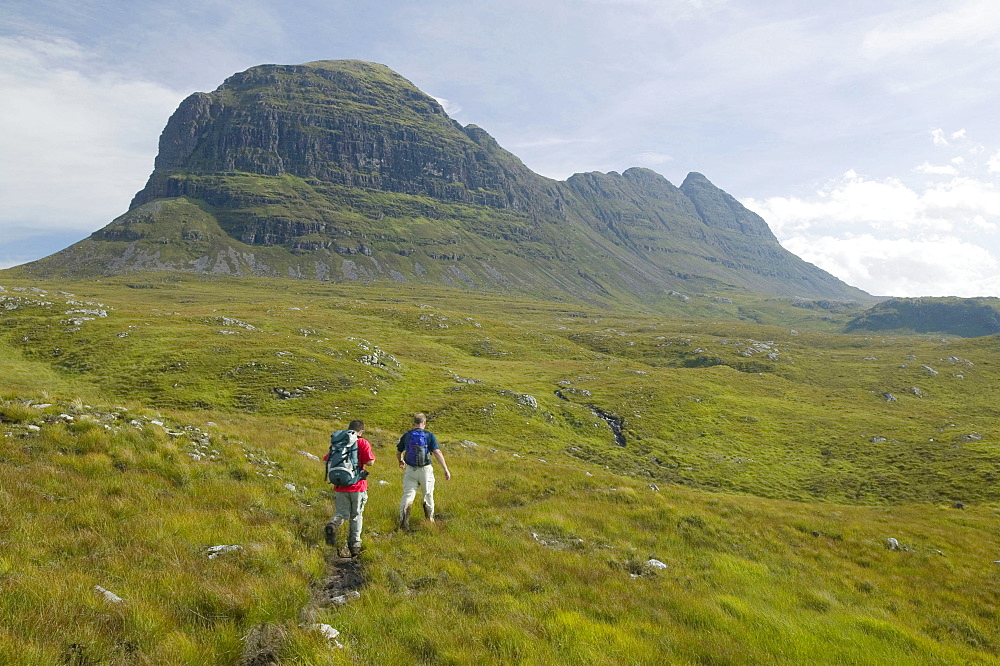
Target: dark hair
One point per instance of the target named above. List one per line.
(357, 425)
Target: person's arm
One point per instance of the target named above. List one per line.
(440, 458)
(400, 449)
(365, 455)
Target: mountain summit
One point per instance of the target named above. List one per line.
(344, 170)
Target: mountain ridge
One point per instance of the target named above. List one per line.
(344, 170)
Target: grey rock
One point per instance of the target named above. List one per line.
(527, 400)
(342, 599)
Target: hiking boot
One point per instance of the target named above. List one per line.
(428, 514)
(355, 550)
(404, 520)
(330, 533)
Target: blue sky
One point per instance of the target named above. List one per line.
(865, 133)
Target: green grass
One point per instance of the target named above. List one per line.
(111, 499)
(753, 478)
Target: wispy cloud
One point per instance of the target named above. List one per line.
(76, 144)
(451, 108)
(964, 24)
(550, 141)
(650, 158)
(675, 9)
(937, 170)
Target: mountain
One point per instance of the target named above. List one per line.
(344, 170)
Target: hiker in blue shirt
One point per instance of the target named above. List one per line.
(416, 448)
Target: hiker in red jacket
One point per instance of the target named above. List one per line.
(349, 501)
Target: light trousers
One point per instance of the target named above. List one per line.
(413, 478)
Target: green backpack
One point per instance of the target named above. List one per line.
(342, 468)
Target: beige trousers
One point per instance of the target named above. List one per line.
(413, 478)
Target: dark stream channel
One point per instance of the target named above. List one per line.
(613, 421)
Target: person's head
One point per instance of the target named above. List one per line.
(357, 425)
(419, 420)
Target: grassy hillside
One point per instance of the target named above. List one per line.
(967, 317)
(766, 462)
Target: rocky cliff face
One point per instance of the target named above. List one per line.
(721, 211)
(343, 170)
(350, 123)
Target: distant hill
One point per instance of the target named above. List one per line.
(344, 171)
(967, 317)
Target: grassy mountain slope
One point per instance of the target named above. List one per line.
(968, 317)
(344, 171)
(149, 418)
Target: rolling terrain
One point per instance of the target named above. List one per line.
(744, 515)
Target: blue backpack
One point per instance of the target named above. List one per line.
(416, 453)
(342, 468)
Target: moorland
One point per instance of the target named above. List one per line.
(779, 491)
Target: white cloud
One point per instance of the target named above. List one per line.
(851, 202)
(890, 237)
(937, 135)
(993, 163)
(944, 266)
(855, 204)
(932, 170)
(76, 144)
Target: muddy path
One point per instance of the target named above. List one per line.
(342, 582)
